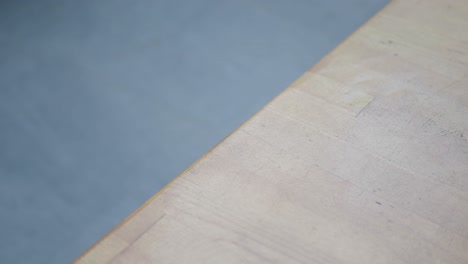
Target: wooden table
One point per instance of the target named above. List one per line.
(364, 159)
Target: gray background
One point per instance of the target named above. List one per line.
(102, 103)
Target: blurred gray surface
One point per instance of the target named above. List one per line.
(102, 103)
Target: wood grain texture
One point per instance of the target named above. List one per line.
(364, 159)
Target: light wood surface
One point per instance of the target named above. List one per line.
(364, 159)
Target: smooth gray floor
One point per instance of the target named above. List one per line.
(103, 102)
